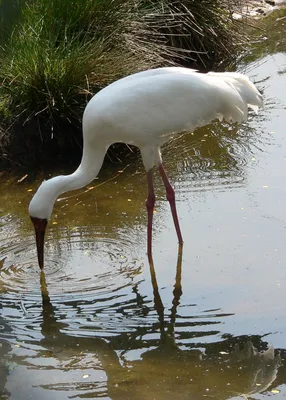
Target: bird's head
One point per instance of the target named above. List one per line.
(40, 210)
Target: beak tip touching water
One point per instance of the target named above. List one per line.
(40, 229)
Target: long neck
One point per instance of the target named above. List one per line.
(88, 169)
(41, 205)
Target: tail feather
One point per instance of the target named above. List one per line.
(242, 84)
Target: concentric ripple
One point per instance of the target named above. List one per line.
(214, 157)
(73, 263)
(89, 279)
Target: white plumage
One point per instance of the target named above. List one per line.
(145, 110)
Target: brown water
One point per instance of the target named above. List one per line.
(102, 326)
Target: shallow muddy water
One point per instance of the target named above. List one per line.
(205, 322)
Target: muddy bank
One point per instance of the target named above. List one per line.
(257, 9)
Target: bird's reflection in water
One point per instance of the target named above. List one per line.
(164, 372)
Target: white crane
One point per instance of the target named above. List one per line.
(146, 109)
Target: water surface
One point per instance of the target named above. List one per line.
(204, 322)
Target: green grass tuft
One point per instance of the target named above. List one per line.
(55, 54)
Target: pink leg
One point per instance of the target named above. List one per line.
(170, 194)
(150, 209)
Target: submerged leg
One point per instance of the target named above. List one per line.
(170, 194)
(159, 307)
(150, 209)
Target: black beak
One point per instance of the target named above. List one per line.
(40, 229)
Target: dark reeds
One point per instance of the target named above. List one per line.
(55, 54)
